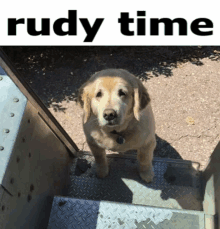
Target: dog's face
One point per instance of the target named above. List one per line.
(112, 101)
(113, 97)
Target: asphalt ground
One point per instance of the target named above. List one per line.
(183, 82)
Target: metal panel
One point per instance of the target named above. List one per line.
(33, 158)
(37, 170)
(211, 176)
(33, 98)
(79, 214)
(5, 205)
(210, 222)
(176, 185)
(12, 106)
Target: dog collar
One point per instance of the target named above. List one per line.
(120, 140)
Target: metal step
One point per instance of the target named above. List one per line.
(123, 200)
(177, 185)
(80, 214)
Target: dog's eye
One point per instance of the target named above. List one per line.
(99, 94)
(121, 93)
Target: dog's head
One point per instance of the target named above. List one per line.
(113, 96)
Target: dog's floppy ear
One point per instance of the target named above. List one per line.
(141, 98)
(84, 101)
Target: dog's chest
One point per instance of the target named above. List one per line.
(118, 142)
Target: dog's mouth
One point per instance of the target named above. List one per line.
(111, 123)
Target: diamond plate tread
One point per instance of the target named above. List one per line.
(72, 213)
(176, 185)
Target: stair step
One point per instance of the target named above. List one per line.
(80, 214)
(177, 185)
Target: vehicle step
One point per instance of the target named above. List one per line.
(80, 214)
(177, 184)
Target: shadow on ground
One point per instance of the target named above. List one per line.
(164, 149)
(176, 183)
(55, 73)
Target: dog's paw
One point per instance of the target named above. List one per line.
(147, 175)
(102, 170)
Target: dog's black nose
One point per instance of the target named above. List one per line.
(109, 114)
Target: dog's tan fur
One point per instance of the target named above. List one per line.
(135, 120)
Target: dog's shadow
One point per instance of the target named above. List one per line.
(176, 183)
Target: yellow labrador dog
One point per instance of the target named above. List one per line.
(118, 117)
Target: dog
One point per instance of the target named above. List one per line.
(118, 117)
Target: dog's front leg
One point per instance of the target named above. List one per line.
(102, 169)
(145, 157)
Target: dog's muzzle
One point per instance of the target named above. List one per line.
(109, 114)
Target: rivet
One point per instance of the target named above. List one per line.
(12, 114)
(1, 78)
(15, 100)
(1, 148)
(18, 159)
(29, 198)
(12, 181)
(29, 154)
(32, 187)
(6, 130)
(19, 194)
(3, 208)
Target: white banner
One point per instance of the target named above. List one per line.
(109, 22)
